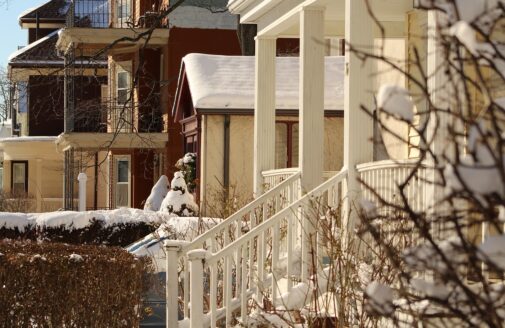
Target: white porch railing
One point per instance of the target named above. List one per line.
(245, 270)
(272, 178)
(222, 235)
(384, 177)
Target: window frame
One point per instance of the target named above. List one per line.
(13, 163)
(122, 110)
(289, 141)
(116, 160)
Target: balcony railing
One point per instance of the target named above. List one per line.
(89, 13)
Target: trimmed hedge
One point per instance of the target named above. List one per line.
(97, 233)
(60, 285)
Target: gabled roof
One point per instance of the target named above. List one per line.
(227, 82)
(54, 10)
(41, 53)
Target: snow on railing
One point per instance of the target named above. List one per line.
(221, 235)
(249, 268)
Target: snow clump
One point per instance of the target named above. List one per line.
(179, 200)
(158, 193)
(395, 101)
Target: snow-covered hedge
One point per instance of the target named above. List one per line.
(119, 227)
(59, 285)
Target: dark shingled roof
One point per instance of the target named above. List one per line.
(43, 53)
(52, 10)
(43, 50)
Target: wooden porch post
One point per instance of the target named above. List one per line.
(358, 125)
(437, 129)
(311, 139)
(264, 110)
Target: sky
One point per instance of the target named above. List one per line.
(12, 35)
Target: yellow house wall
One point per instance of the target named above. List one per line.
(45, 171)
(242, 154)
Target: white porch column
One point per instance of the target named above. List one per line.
(311, 141)
(264, 110)
(39, 190)
(437, 129)
(358, 125)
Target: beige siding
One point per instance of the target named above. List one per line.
(242, 155)
(213, 152)
(45, 171)
(333, 143)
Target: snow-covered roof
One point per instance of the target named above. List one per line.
(220, 82)
(27, 139)
(33, 45)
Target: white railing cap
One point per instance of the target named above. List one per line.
(389, 164)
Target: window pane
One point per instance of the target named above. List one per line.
(294, 151)
(281, 145)
(122, 171)
(122, 195)
(123, 80)
(122, 96)
(19, 178)
(19, 173)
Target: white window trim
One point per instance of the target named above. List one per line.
(117, 108)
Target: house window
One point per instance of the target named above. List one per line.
(122, 113)
(19, 178)
(122, 182)
(286, 144)
(123, 87)
(191, 144)
(123, 12)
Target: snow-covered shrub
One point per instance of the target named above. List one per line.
(179, 200)
(60, 285)
(119, 227)
(187, 165)
(158, 193)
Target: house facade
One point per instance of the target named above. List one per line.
(284, 219)
(215, 106)
(31, 163)
(144, 47)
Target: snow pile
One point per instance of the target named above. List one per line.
(78, 220)
(13, 221)
(179, 200)
(158, 193)
(76, 258)
(176, 228)
(395, 101)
